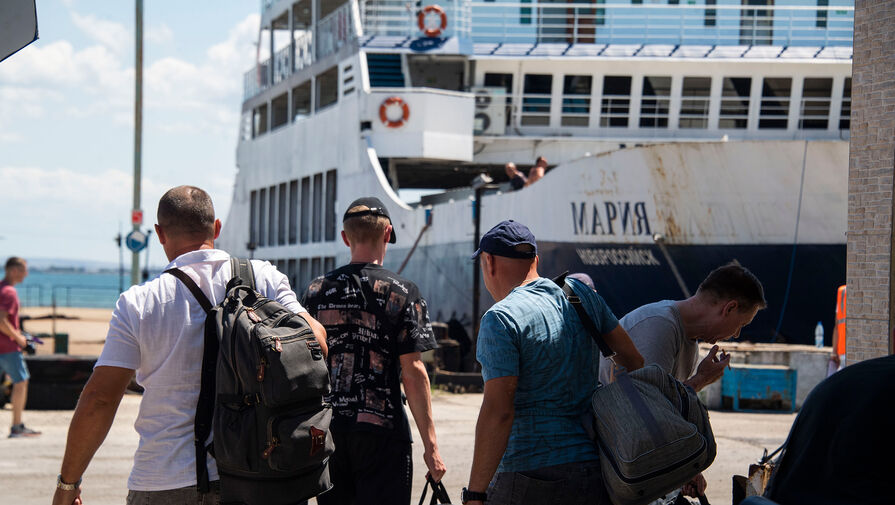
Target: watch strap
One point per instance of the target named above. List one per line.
(467, 495)
(65, 486)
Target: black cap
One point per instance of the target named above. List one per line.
(375, 207)
(503, 239)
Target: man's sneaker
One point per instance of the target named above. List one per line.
(20, 430)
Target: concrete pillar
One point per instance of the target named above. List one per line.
(871, 313)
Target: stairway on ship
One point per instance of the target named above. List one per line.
(385, 70)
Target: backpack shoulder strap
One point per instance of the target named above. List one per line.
(205, 405)
(586, 321)
(242, 268)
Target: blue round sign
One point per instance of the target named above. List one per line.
(136, 240)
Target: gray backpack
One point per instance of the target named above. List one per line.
(652, 432)
(264, 379)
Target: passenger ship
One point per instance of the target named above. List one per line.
(679, 137)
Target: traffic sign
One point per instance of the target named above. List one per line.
(137, 217)
(136, 240)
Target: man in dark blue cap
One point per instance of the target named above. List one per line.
(377, 325)
(540, 370)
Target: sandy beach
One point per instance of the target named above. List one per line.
(28, 467)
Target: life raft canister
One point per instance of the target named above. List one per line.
(421, 21)
(841, 309)
(383, 109)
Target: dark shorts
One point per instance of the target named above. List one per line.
(13, 363)
(369, 469)
(568, 484)
(182, 496)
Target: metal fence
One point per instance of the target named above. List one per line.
(67, 296)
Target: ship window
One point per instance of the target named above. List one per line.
(329, 264)
(272, 216)
(695, 102)
(259, 120)
(815, 111)
(304, 275)
(281, 223)
(245, 126)
(253, 217)
(305, 210)
(576, 100)
(711, 15)
(822, 14)
(735, 93)
(280, 108)
(536, 99)
(655, 102)
(504, 81)
(301, 101)
(616, 101)
(262, 212)
(845, 111)
(317, 226)
(775, 102)
(327, 88)
(316, 268)
(330, 215)
(293, 212)
(292, 273)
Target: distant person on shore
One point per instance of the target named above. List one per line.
(12, 341)
(667, 332)
(537, 172)
(538, 363)
(157, 330)
(377, 325)
(517, 179)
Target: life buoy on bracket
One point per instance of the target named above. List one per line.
(383, 110)
(421, 21)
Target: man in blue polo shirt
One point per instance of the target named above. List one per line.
(540, 369)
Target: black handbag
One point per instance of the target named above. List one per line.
(439, 493)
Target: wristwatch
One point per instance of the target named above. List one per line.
(65, 486)
(467, 495)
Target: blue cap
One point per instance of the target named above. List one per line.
(503, 239)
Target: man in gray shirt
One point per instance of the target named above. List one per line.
(667, 332)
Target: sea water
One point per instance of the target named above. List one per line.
(72, 288)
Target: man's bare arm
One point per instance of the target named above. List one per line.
(8, 331)
(492, 431)
(90, 424)
(416, 386)
(319, 331)
(626, 354)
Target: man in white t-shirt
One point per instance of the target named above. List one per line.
(157, 330)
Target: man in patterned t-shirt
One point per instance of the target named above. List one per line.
(376, 324)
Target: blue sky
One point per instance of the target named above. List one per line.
(66, 119)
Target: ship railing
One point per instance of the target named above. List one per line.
(697, 24)
(401, 18)
(331, 33)
(575, 109)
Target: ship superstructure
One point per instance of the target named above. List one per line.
(679, 136)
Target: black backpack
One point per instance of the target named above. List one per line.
(263, 382)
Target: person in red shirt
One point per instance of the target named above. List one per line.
(11, 343)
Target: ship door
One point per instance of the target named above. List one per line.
(440, 72)
(756, 25)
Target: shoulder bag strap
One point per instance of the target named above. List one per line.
(205, 405)
(586, 321)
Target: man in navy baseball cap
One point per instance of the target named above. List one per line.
(510, 240)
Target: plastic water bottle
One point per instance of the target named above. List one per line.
(819, 334)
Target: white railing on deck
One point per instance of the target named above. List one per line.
(401, 18)
(595, 23)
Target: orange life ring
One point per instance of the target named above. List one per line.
(421, 20)
(405, 112)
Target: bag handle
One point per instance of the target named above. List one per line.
(439, 493)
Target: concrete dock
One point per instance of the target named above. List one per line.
(28, 467)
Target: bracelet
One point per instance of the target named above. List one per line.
(65, 486)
